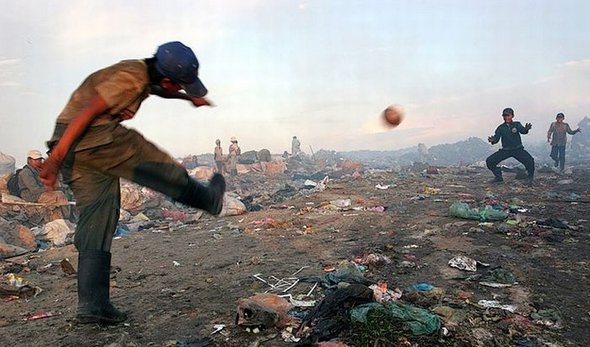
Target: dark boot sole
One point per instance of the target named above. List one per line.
(91, 319)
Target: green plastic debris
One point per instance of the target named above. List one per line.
(511, 222)
(419, 321)
(483, 214)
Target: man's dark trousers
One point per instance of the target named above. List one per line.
(519, 154)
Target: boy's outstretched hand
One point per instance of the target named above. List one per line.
(198, 102)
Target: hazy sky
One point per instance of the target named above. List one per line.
(322, 70)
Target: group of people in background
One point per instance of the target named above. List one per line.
(509, 134)
(228, 164)
(234, 152)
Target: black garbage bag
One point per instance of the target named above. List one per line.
(331, 316)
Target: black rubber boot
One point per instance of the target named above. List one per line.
(530, 181)
(208, 198)
(497, 179)
(94, 304)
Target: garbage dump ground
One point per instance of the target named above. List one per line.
(450, 260)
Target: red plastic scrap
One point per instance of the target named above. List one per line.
(39, 315)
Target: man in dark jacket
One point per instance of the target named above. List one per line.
(509, 133)
(29, 183)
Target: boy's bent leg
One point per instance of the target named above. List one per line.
(528, 161)
(208, 198)
(147, 165)
(492, 163)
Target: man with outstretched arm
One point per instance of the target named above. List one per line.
(557, 137)
(93, 151)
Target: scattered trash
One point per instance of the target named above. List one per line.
(57, 231)
(496, 278)
(463, 263)
(373, 259)
(299, 303)
(486, 213)
(39, 315)
(431, 191)
(332, 315)
(423, 287)
(67, 267)
(309, 184)
(288, 336)
(419, 321)
(341, 203)
(280, 284)
(264, 310)
(382, 294)
(554, 223)
(122, 230)
(217, 328)
(496, 304)
(346, 272)
(548, 317)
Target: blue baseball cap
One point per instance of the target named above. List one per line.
(178, 62)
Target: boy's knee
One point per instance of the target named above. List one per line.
(490, 163)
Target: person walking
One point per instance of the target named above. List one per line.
(557, 137)
(509, 133)
(92, 150)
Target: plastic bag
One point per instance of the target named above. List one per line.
(486, 213)
(418, 320)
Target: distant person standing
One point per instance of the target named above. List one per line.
(234, 152)
(557, 136)
(295, 146)
(218, 156)
(509, 132)
(423, 152)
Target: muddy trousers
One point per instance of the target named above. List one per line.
(558, 155)
(519, 154)
(93, 173)
(93, 170)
